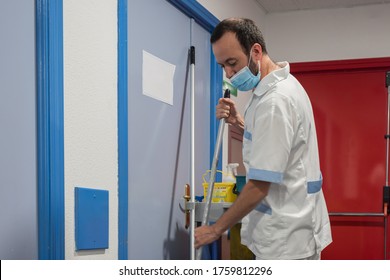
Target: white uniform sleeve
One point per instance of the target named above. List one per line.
(272, 138)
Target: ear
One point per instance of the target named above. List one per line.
(257, 52)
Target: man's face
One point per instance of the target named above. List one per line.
(229, 54)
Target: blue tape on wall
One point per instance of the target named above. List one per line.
(91, 218)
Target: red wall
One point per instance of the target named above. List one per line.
(349, 101)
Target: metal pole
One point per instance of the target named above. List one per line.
(192, 179)
(193, 155)
(212, 174)
(385, 242)
(387, 137)
(387, 158)
(356, 214)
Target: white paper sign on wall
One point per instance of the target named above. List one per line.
(157, 78)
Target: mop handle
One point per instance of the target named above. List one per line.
(212, 174)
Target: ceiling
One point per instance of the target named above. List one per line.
(277, 6)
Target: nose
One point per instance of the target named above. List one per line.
(229, 72)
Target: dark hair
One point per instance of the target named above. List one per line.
(246, 31)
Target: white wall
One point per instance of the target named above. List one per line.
(327, 34)
(334, 34)
(235, 8)
(90, 112)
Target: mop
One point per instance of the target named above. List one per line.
(205, 217)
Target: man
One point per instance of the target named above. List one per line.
(282, 207)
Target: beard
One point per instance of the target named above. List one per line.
(254, 67)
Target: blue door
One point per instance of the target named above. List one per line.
(159, 132)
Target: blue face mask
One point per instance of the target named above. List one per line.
(244, 79)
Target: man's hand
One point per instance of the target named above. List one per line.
(205, 235)
(251, 195)
(226, 109)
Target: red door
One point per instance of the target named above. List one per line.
(349, 101)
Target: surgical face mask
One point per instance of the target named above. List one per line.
(244, 79)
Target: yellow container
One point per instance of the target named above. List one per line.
(223, 191)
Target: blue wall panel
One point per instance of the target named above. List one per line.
(91, 218)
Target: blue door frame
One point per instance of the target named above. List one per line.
(122, 131)
(50, 119)
(50, 126)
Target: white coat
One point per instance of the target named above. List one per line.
(280, 147)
